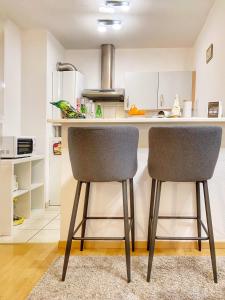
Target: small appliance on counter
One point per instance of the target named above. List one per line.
(17, 146)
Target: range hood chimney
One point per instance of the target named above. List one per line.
(107, 66)
(107, 91)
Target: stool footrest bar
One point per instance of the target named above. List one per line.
(170, 238)
(106, 218)
(178, 217)
(99, 238)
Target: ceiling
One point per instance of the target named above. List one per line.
(149, 23)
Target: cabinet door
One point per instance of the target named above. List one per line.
(172, 83)
(141, 89)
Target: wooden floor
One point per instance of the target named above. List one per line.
(22, 265)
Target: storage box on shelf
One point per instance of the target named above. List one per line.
(30, 194)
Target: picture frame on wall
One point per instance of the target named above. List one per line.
(209, 53)
(215, 109)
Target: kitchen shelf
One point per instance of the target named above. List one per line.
(16, 161)
(36, 185)
(19, 193)
(30, 175)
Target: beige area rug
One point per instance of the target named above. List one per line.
(104, 277)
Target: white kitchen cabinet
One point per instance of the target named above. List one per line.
(172, 83)
(157, 90)
(141, 89)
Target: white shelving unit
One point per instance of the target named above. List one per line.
(30, 195)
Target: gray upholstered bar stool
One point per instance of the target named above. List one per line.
(182, 154)
(102, 154)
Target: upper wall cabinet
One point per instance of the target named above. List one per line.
(141, 89)
(172, 83)
(157, 90)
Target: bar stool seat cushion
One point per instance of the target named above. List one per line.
(104, 153)
(184, 153)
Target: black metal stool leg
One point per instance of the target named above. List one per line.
(151, 212)
(210, 230)
(126, 229)
(154, 228)
(85, 214)
(198, 201)
(132, 213)
(71, 229)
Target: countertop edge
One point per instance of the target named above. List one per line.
(135, 120)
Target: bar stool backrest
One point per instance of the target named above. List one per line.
(103, 154)
(184, 153)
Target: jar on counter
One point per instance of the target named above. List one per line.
(187, 109)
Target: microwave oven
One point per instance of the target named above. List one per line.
(17, 146)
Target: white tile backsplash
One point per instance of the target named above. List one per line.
(113, 110)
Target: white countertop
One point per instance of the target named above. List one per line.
(21, 160)
(136, 120)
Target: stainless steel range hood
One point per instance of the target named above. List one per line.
(107, 92)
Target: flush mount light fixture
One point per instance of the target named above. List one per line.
(110, 6)
(124, 5)
(103, 25)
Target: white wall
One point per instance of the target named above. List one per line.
(210, 77)
(55, 53)
(1, 71)
(12, 79)
(41, 52)
(1, 75)
(34, 84)
(130, 60)
(88, 62)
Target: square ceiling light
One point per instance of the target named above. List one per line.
(111, 5)
(103, 25)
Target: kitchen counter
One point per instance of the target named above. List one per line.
(137, 120)
(177, 198)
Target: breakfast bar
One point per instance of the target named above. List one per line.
(177, 198)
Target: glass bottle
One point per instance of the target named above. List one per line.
(83, 108)
(98, 113)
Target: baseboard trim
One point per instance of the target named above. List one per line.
(141, 245)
